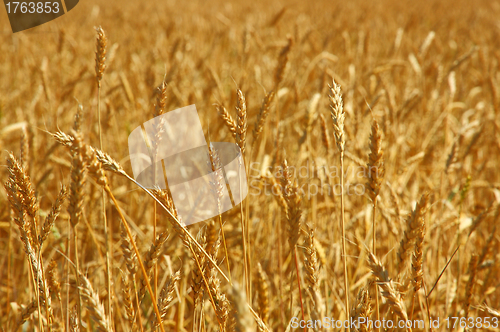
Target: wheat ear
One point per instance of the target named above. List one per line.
(26, 313)
(94, 306)
(293, 214)
(312, 270)
(52, 216)
(131, 263)
(469, 287)
(222, 305)
(127, 303)
(362, 309)
(413, 224)
(490, 311)
(282, 62)
(100, 54)
(228, 119)
(241, 123)
(52, 282)
(74, 324)
(263, 294)
(150, 261)
(389, 291)
(167, 295)
(263, 113)
(416, 264)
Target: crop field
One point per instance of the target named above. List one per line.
(370, 136)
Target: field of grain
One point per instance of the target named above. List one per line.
(371, 139)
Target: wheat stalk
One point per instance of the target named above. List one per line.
(376, 172)
(338, 117)
(100, 66)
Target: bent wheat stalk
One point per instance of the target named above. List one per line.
(112, 165)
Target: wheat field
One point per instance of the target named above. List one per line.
(371, 140)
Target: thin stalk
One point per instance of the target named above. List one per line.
(300, 288)
(374, 250)
(106, 235)
(280, 265)
(249, 257)
(138, 311)
(245, 250)
(68, 253)
(242, 221)
(9, 253)
(155, 268)
(49, 315)
(37, 294)
(344, 260)
(77, 264)
(225, 246)
(412, 305)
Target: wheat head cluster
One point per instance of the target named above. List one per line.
(371, 139)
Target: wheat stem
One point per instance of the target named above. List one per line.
(141, 265)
